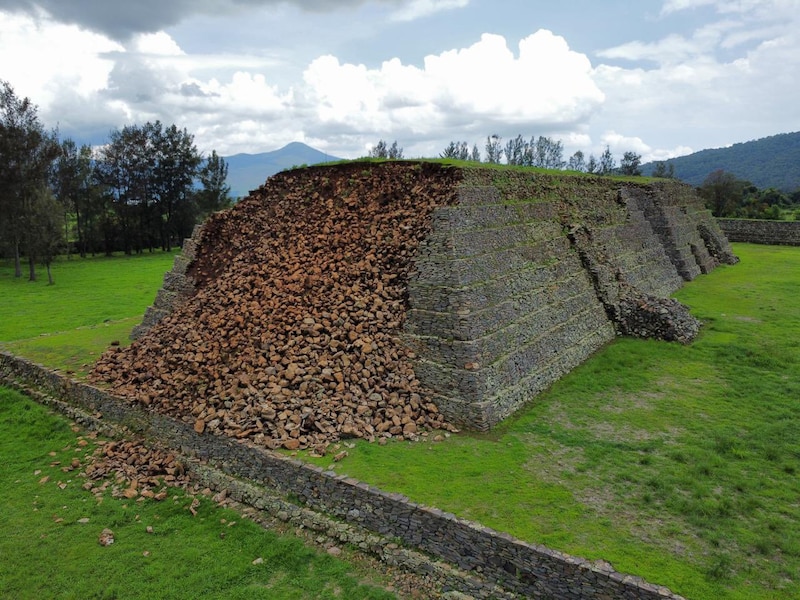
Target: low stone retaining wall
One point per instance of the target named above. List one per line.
(777, 233)
(496, 559)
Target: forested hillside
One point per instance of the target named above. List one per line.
(771, 162)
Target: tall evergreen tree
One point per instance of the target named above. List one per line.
(577, 162)
(515, 151)
(176, 164)
(607, 163)
(46, 228)
(383, 150)
(494, 149)
(72, 185)
(456, 150)
(214, 193)
(630, 163)
(549, 153)
(664, 170)
(149, 171)
(26, 154)
(475, 155)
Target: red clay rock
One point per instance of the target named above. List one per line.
(291, 339)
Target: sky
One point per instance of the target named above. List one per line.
(661, 78)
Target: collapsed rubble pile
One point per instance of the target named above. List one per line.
(640, 315)
(291, 339)
(632, 311)
(132, 470)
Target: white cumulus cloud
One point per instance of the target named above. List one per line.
(39, 72)
(733, 73)
(545, 86)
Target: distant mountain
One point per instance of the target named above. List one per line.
(248, 171)
(769, 162)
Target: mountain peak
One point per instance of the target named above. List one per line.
(248, 171)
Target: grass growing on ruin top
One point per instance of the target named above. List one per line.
(499, 168)
(50, 526)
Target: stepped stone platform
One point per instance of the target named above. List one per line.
(526, 275)
(394, 294)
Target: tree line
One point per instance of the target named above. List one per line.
(543, 152)
(724, 194)
(728, 196)
(145, 189)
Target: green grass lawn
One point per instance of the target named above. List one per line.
(49, 530)
(94, 302)
(676, 463)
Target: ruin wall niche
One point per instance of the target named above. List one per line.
(527, 276)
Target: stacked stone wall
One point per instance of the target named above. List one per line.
(492, 564)
(177, 286)
(778, 233)
(500, 306)
(688, 232)
(527, 275)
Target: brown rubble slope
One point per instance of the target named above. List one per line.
(291, 338)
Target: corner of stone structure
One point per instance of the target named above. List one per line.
(176, 288)
(717, 243)
(528, 274)
(632, 311)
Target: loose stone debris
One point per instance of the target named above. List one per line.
(291, 339)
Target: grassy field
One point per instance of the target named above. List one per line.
(676, 463)
(94, 301)
(49, 530)
(47, 549)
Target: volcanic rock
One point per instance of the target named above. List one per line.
(291, 338)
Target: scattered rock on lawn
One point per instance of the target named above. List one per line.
(106, 537)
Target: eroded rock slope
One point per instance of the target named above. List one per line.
(291, 338)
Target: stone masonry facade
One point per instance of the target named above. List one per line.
(778, 233)
(528, 275)
(177, 286)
